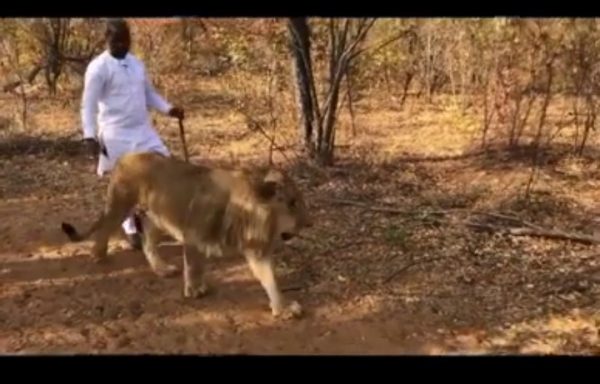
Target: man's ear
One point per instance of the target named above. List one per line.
(267, 189)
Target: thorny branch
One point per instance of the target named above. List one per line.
(525, 229)
(541, 232)
(382, 209)
(411, 263)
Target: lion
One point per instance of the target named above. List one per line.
(211, 211)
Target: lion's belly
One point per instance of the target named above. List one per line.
(210, 249)
(166, 225)
(213, 250)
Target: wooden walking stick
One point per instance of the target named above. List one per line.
(182, 136)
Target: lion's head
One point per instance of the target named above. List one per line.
(282, 195)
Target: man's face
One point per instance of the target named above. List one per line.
(119, 42)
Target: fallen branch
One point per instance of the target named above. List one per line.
(418, 159)
(398, 271)
(512, 218)
(336, 248)
(408, 265)
(367, 206)
(343, 246)
(297, 287)
(388, 209)
(527, 229)
(538, 232)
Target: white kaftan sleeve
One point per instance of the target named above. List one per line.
(92, 91)
(153, 99)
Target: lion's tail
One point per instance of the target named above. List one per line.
(75, 236)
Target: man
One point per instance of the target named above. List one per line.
(116, 97)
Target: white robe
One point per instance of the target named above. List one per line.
(116, 98)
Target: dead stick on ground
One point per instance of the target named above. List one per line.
(432, 212)
(408, 265)
(418, 159)
(539, 232)
(335, 248)
(387, 209)
(531, 230)
(509, 217)
(292, 288)
(343, 246)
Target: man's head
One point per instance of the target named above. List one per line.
(118, 37)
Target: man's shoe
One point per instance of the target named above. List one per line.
(135, 241)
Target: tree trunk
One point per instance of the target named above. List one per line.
(300, 48)
(343, 47)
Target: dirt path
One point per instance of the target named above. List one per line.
(64, 306)
(53, 300)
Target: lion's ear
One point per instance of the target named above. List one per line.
(267, 189)
(274, 175)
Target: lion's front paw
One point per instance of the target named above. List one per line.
(194, 292)
(293, 310)
(167, 270)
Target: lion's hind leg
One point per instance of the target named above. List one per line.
(194, 268)
(152, 236)
(119, 204)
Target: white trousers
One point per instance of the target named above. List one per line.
(119, 146)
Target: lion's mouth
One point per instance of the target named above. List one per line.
(285, 236)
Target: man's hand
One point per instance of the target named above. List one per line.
(92, 146)
(177, 112)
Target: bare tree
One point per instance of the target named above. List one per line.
(13, 55)
(58, 44)
(300, 48)
(344, 38)
(189, 31)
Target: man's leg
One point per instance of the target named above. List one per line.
(131, 231)
(117, 148)
(132, 225)
(153, 143)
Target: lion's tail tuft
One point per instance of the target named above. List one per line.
(71, 232)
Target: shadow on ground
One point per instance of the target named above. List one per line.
(24, 145)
